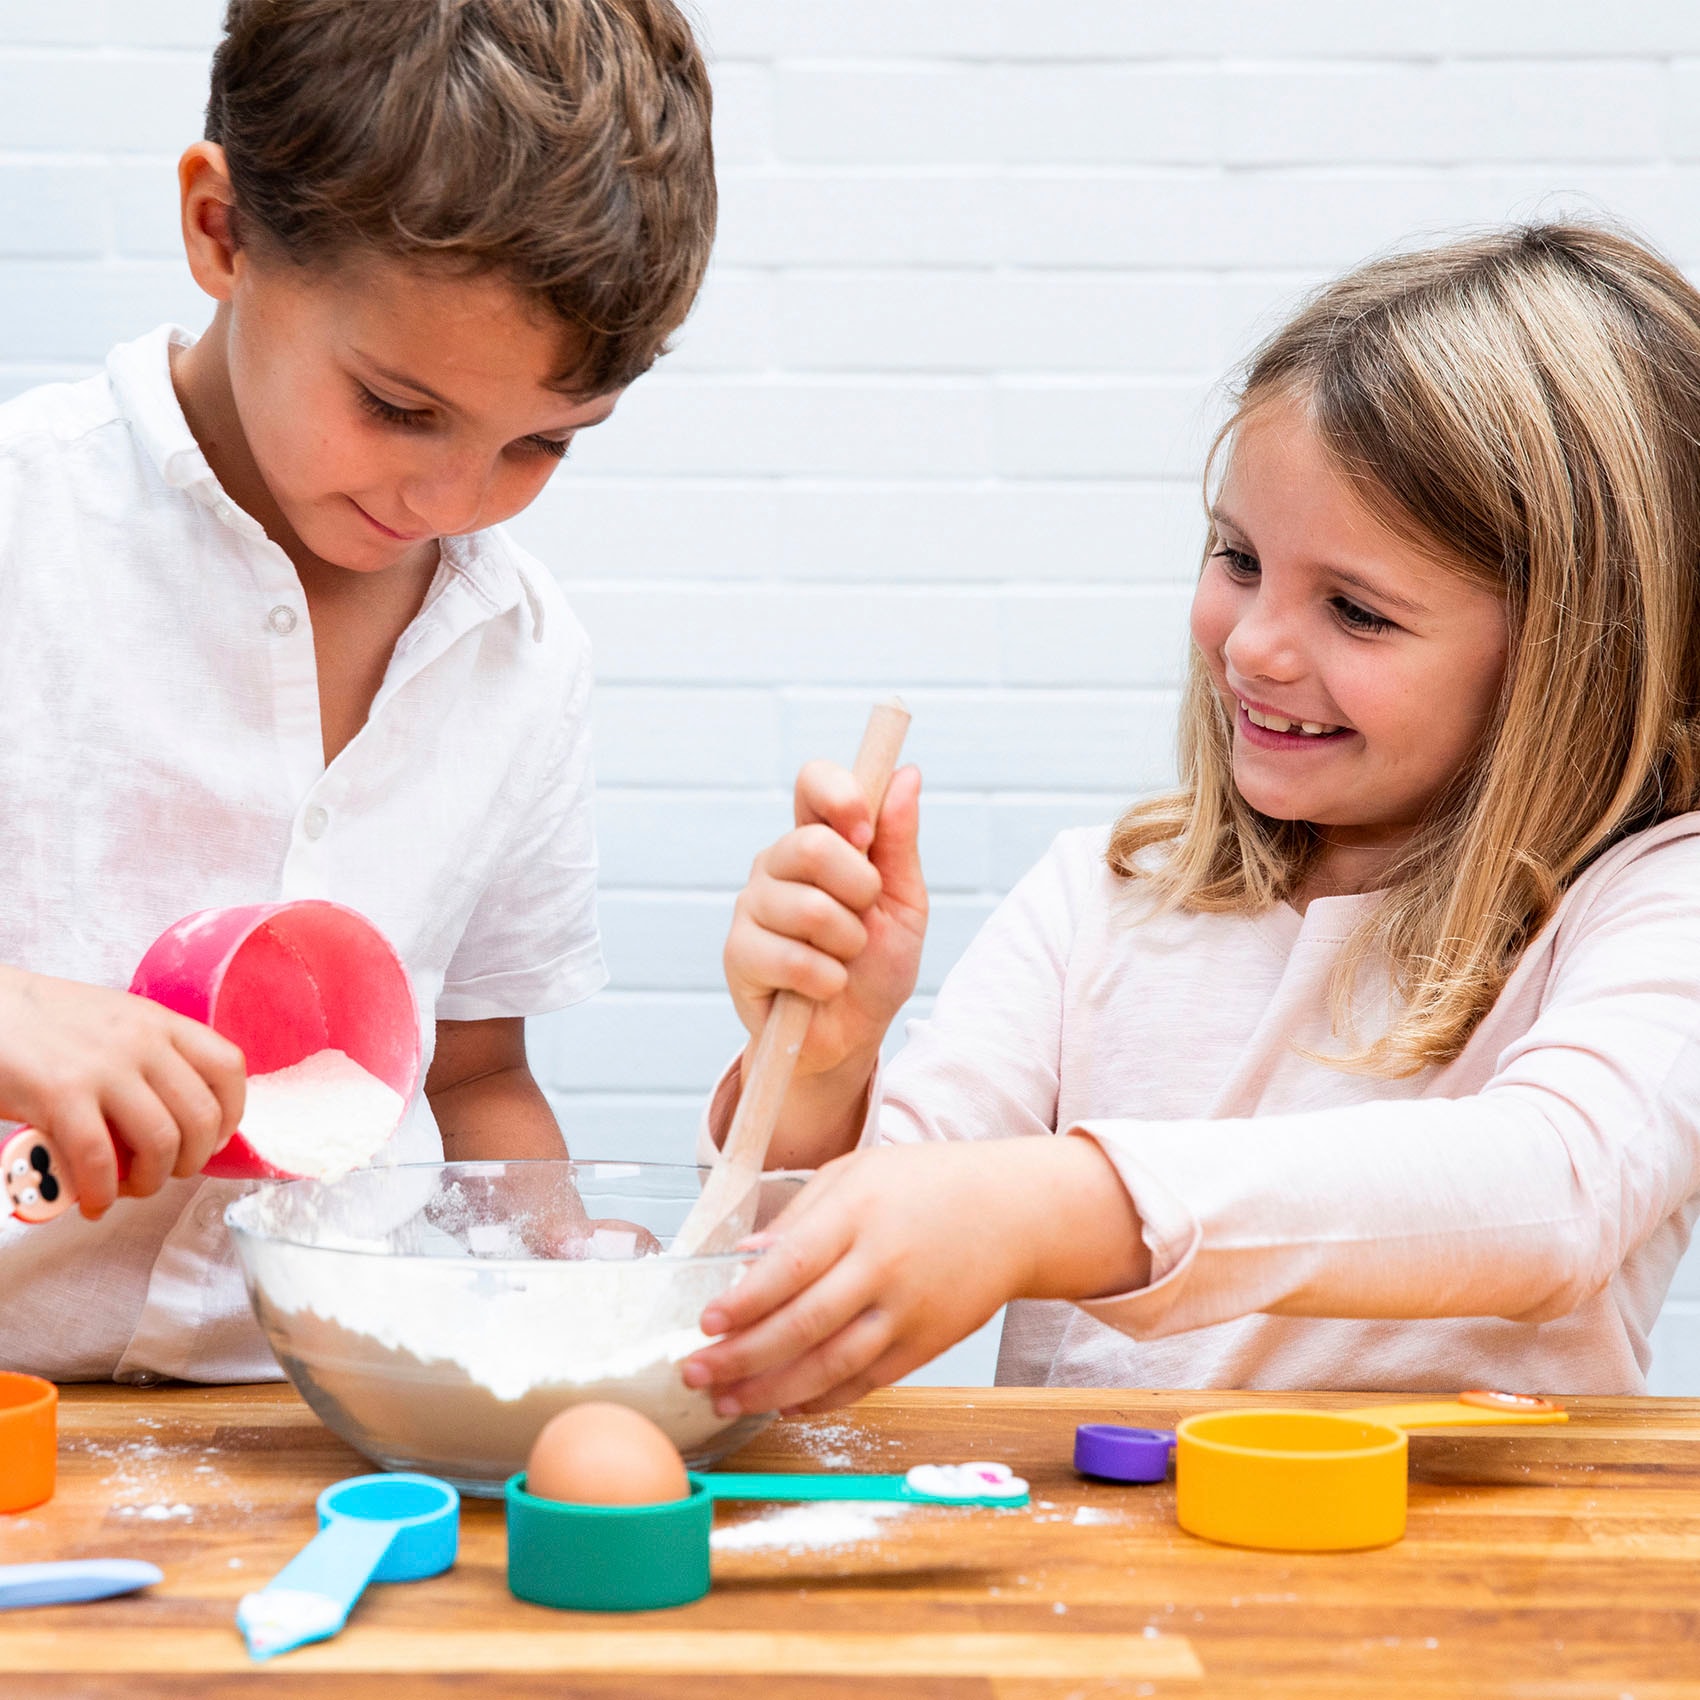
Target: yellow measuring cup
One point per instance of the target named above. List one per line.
(1317, 1481)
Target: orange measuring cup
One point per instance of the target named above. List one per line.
(29, 1440)
(1317, 1481)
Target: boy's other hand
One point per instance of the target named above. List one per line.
(820, 917)
(86, 1065)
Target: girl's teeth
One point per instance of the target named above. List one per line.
(1275, 723)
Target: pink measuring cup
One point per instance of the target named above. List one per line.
(280, 980)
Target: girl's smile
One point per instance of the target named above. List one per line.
(1360, 671)
(1270, 729)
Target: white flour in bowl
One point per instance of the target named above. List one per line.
(455, 1367)
(322, 1117)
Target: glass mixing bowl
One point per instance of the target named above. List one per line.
(436, 1315)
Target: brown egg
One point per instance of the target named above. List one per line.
(602, 1454)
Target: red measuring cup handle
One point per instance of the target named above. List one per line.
(37, 1177)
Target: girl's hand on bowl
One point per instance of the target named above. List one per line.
(894, 1253)
(85, 1065)
(820, 917)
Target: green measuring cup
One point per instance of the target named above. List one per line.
(644, 1557)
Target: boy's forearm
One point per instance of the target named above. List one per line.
(497, 1115)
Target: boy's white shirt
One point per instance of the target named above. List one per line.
(160, 752)
(1512, 1219)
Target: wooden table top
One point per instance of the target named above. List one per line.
(1550, 1561)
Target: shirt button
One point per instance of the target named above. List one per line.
(314, 822)
(282, 619)
(210, 1211)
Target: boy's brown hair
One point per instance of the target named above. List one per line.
(563, 144)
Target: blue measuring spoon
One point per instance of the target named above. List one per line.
(388, 1528)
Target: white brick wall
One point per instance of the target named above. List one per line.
(936, 423)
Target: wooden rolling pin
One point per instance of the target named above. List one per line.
(726, 1211)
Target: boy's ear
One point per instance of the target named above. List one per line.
(209, 227)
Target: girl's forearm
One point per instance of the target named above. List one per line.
(822, 1115)
(1083, 1234)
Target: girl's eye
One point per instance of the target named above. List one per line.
(1356, 619)
(375, 405)
(1236, 562)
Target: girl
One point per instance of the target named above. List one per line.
(263, 637)
(1375, 1041)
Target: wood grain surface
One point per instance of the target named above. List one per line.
(1558, 1562)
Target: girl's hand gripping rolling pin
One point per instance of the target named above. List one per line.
(725, 1212)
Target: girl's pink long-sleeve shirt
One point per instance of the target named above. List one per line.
(1512, 1219)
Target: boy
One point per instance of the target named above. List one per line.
(257, 638)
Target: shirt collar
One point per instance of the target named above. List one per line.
(490, 569)
(140, 374)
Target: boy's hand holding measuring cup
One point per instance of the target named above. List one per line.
(86, 1065)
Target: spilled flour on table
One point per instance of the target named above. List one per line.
(805, 1528)
(139, 1475)
(1093, 1515)
(838, 1445)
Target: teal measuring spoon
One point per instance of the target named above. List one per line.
(928, 1484)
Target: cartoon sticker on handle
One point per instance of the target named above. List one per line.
(38, 1182)
(32, 1183)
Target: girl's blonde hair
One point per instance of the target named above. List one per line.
(1524, 405)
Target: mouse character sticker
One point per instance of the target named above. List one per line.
(33, 1184)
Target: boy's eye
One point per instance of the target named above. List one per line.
(388, 411)
(1358, 619)
(414, 418)
(1237, 562)
(555, 447)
